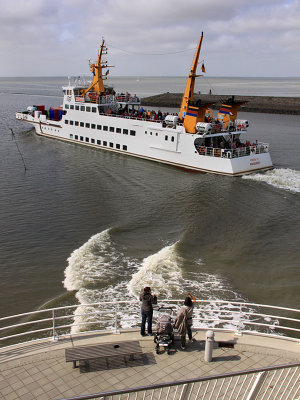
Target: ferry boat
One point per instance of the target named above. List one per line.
(93, 114)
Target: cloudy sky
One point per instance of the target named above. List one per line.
(150, 37)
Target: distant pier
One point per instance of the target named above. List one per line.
(257, 104)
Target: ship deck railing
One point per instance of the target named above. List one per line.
(238, 317)
(108, 99)
(276, 382)
(234, 153)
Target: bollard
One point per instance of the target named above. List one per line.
(209, 344)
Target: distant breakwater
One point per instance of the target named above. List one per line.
(258, 104)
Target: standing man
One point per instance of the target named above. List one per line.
(147, 310)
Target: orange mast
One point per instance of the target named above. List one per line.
(96, 69)
(189, 89)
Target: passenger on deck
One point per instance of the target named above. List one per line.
(147, 310)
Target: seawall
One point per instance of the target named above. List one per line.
(258, 104)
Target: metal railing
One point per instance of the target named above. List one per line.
(234, 153)
(281, 382)
(219, 315)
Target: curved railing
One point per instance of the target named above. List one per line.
(238, 317)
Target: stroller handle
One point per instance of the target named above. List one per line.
(165, 308)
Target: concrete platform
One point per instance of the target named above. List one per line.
(38, 370)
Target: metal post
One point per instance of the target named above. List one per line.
(209, 344)
(117, 331)
(186, 390)
(238, 332)
(54, 335)
(260, 378)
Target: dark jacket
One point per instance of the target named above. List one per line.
(147, 301)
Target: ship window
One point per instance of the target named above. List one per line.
(66, 106)
(117, 146)
(118, 130)
(88, 109)
(132, 133)
(71, 122)
(146, 132)
(71, 136)
(104, 143)
(99, 127)
(82, 108)
(172, 139)
(105, 128)
(111, 144)
(124, 147)
(71, 107)
(77, 108)
(64, 92)
(76, 137)
(111, 129)
(156, 134)
(87, 139)
(92, 140)
(87, 125)
(81, 138)
(150, 133)
(98, 141)
(93, 126)
(76, 123)
(125, 131)
(166, 137)
(94, 109)
(81, 124)
(66, 121)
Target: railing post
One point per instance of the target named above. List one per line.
(260, 378)
(54, 335)
(238, 332)
(117, 331)
(186, 390)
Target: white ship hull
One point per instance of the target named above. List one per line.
(149, 140)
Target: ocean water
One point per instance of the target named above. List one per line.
(82, 225)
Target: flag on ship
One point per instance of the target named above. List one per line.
(203, 68)
(225, 109)
(192, 113)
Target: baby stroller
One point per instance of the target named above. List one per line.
(164, 335)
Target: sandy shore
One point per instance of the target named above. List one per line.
(260, 104)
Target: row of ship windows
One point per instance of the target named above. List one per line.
(93, 141)
(101, 127)
(80, 108)
(110, 128)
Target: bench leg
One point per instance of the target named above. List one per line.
(87, 365)
(74, 364)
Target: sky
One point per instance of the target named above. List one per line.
(255, 38)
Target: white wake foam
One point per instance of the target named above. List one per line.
(160, 271)
(93, 261)
(100, 272)
(287, 179)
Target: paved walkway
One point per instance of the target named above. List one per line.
(38, 370)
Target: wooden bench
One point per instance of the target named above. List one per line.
(103, 350)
